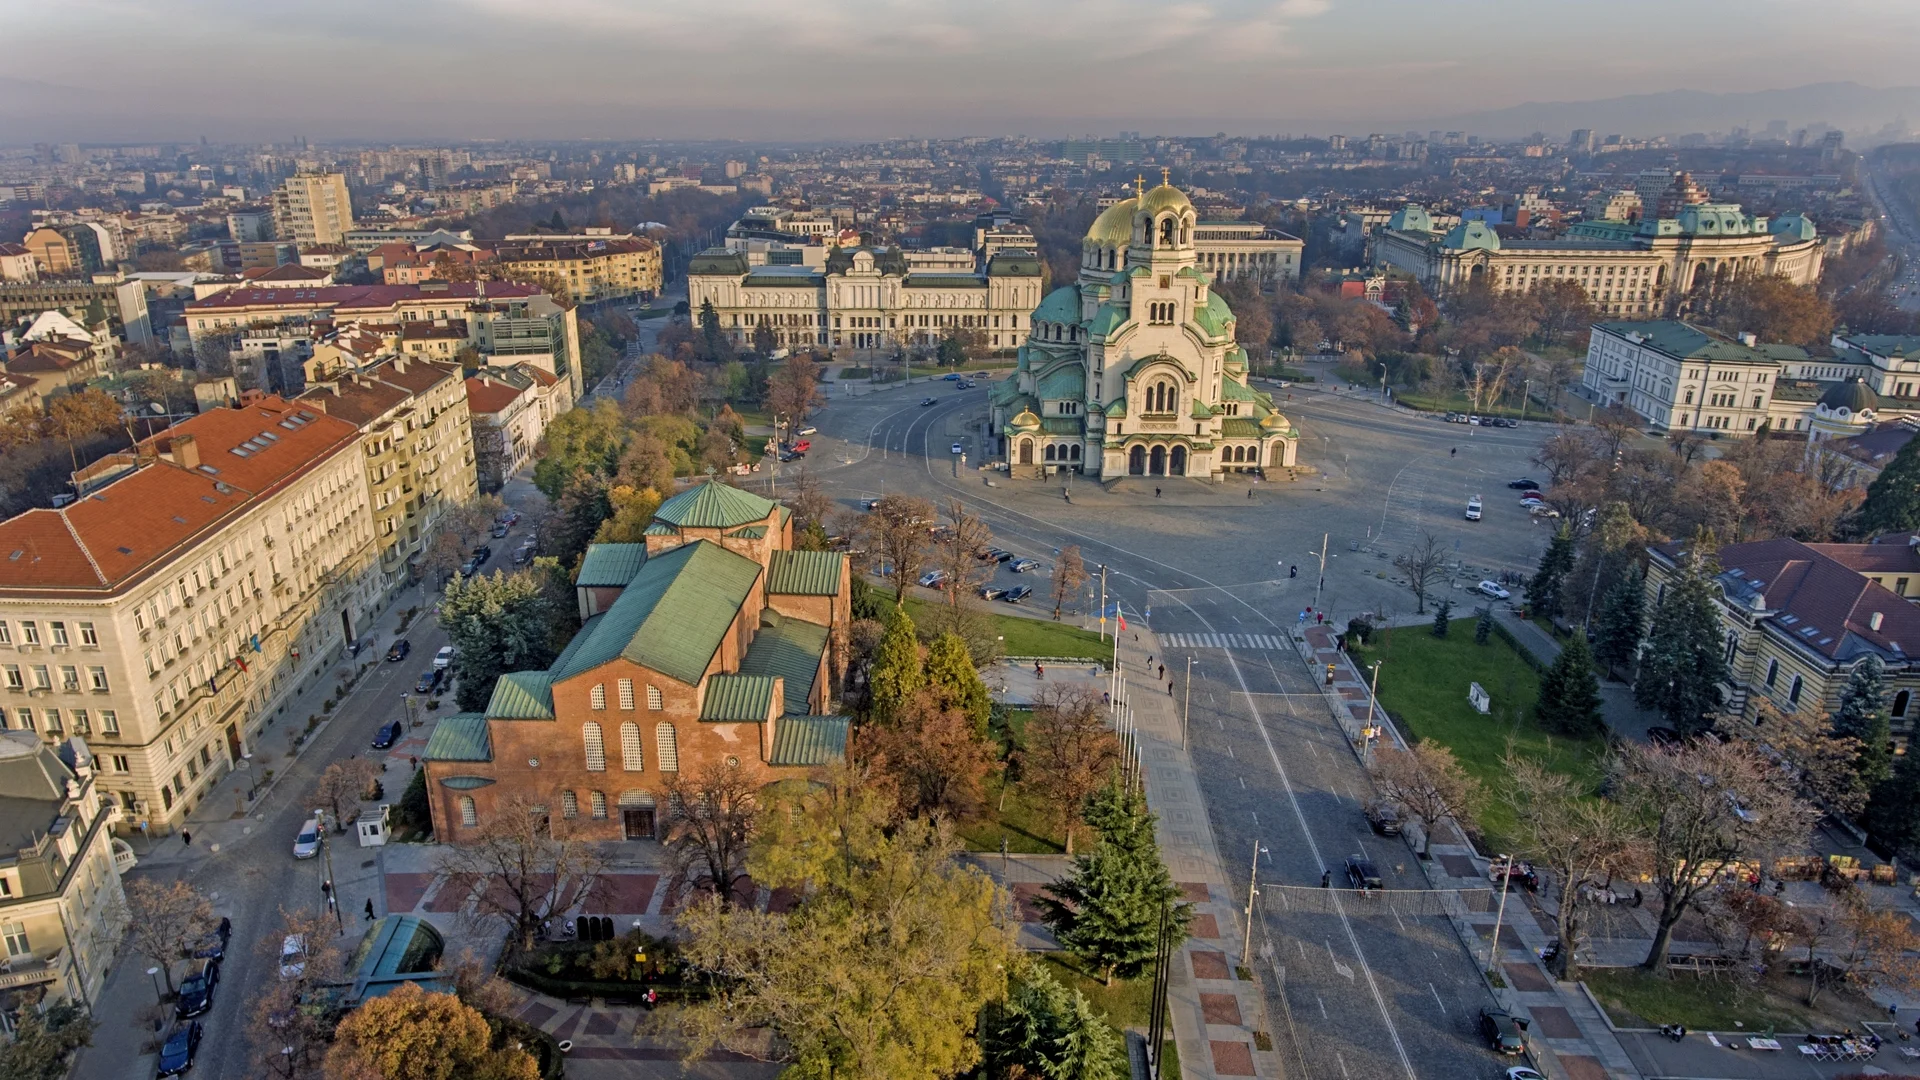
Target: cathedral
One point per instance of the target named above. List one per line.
(1132, 370)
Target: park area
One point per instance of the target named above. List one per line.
(1029, 637)
(1738, 1001)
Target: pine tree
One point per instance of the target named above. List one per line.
(1893, 499)
(1621, 623)
(1050, 1032)
(710, 332)
(1569, 700)
(1863, 715)
(1543, 592)
(1483, 626)
(1442, 614)
(1107, 910)
(951, 674)
(897, 672)
(1893, 812)
(557, 223)
(1685, 659)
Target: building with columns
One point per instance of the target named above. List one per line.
(1133, 369)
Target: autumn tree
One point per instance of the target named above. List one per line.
(1430, 783)
(932, 759)
(1070, 752)
(956, 553)
(793, 390)
(411, 1034)
(1772, 308)
(287, 1025)
(1423, 563)
(1069, 573)
(1582, 842)
(712, 812)
(895, 531)
(75, 416)
(163, 921)
(1563, 309)
(528, 858)
(811, 504)
(1870, 947)
(1824, 761)
(342, 787)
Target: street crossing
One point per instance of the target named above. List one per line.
(1222, 641)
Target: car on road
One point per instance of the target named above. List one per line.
(196, 990)
(176, 1055)
(214, 945)
(399, 651)
(1362, 873)
(802, 446)
(500, 530)
(991, 592)
(790, 455)
(1505, 1033)
(1524, 484)
(869, 504)
(1521, 1072)
(958, 448)
(808, 430)
(924, 402)
(996, 555)
(1473, 508)
(481, 554)
(1017, 594)
(469, 568)
(307, 844)
(951, 376)
(1492, 590)
(1024, 566)
(1531, 497)
(523, 554)
(1383, 818)
(964, 384)
(293, 956)
(933, 579)
(444, 658)
(429, 681)
(388, 735)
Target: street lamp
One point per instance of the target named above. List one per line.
(159, 997)
(1253, 890)
(1366, 733)
(1525, 397)
(1186, 706)
(331, 889)
(1493, 946)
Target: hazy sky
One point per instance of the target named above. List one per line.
(273, 69)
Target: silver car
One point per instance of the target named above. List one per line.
(307, 844)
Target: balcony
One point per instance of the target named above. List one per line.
(29, 971)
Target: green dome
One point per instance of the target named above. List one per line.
(1165, 197)
(1791, 227)
(1114, 226)
(1470, 235)
(1852, 396)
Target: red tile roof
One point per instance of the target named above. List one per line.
(368, 297)
(1817, 601)
(489, 396)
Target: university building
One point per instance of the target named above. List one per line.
(713, 643)
(1133, 370)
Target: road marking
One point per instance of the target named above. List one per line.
(1256, 819)
(1338, 967)
(1220, 641)
(1436, 998)
(1343, 1063)
(1323, 1007)
(1230, 751)
(1243, 783)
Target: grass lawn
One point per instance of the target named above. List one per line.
(1020, 820)
(1032, 637)
(1423, 684)
(849, 373)
(1636, 998)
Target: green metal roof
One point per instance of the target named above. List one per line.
(672, 616)
(791, 649)
(1066, 382)
(459, 737)
(1062, 425)
(1013, 262)
(749, 532)
(1215, 316)
(812, 279)
(611, 564)
(713, 505)
(809, 740)
(661, 528)
(1118, 406)
(944, 281)
(738, 698)
(1106, 320)
(805, 573)
(1062, 305)
(1237, 428)
(1685, 341)
(522, 695)
(717, 261)
(1201, 410)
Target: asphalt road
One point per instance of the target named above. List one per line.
(1355, 989)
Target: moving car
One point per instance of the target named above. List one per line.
(924, 402)
(790, 455)
(523, 554)
(1524, 484)
(1492, 590)
(808, 430)
(293, 956)
(388, 735)
(1023, 566)
(958, 448)
(965, 384)
(1362, 873)
(933, 579)
(399, 651)
(429, 681)
(1017, 594)
(1383, 818)
(196, 990)
(176, 1055)
(307, 844)
(1521, 1072)
(1473, 508)
(443, 658)
(1505, 1032)
(951, 376)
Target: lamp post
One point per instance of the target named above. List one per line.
(1253, 890)
(1383, 384)
(1366, 733)
(1186, 706)
(1493, 946)
(332, 889)
(159, 996)
(1322, 581)
(1525, 396)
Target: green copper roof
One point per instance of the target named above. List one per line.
(791, 649)
(1063, 425)
(713, 505)
(1062, 305)
(1235, 427)
(1013, 262)
(738, 699)
(809, 740)
(673, 615)
(1685, 341)
(1066, 382)
(1216, 317)
(661, 528)
(1471, 235)
(611, 564)
(522, 695)
(1118, 406)
(718, 261)
(459, 737)
(1201, 410)
(805, 573)
(749, 532)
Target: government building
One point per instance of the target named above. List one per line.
(1643, 269)
(1133, 370)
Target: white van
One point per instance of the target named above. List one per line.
(1473, 508)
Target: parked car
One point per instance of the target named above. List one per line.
(307, 844)
(1524, 484)
(481, 554)
(1505, 1032)
(1532, 497)
(176, 1054)
(500, 530)
(808, 430)
(997, 555)
(1473, 508)
(399, 651)
(790, 455)
(1383, 818)
(991, 592)
(1024, 566)
(924, 402)
(958, 448)
(1542, 510)
(1492, 590)
(429, 681)
(869, 504)
(443, 658)
(293, 956)
(1362, 873)
(933, 579)
(469, 568)
(196, 990)
(1017, 594)
(388, 735)
(802, 446)
(524, 553)
(1521, 1072)
(214, 945)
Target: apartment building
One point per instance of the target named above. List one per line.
(416, 441)
(69, 252)
(312, 208)
(1230, 250)
(511, 408)
(123, 301)
(596, 266)
(197, 585)
(61, 908)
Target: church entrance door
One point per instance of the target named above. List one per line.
(1137, 461)
(1158, 467)
(1179, 467)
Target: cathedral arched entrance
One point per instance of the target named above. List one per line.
(1157, 461)
(1026, 451)
(1137, 461)
(1177, 463)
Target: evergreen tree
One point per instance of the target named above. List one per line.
(1863, 715)
(497, 624)
(951, 674)
(1685, 657)
(1621, 622)
(1483, 626)
(1543, 592)
(897, 673)
(557, 223)
(1050, 1032)
(1893, 499)
(1107, 910)
(710, 333)
(1893, 812)
(1442, 614)
(1569, 700)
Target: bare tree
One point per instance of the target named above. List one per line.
(1582, 842)
(1422, 563)
(956, 552)
(895, 532)
(710, 824)
(1069, 573)
(287, 1033)
(461, 528)
(1568, 453)
(1429, 783)
(164, 921)
(811, 504)
(1875, 948)
(1825, 763)
(528, 861)
(342, 787)
(1069, 752)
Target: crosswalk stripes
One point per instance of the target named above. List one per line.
(1221, 641)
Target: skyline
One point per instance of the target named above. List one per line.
(872, 69)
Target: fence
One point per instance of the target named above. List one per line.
(1285, 900)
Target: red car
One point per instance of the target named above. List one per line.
(802, 446)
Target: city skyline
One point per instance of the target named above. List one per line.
(747, 69)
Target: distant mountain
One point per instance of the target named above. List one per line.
(1846, 105)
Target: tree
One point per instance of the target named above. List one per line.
(585, 504)
(1893, 499)
(1544, 591)
(713, 341)
(1429, 782)
(342, 788)
(895, 532)
(897, 672)
(956, 553)
(793, 389)
(591, 439)
(955, 683)
(881, 971)
(529, 860)
(1422, 563)
(1563, 308)
(1621, 622)
(932, 759)
(1045, 1030)
(1108, 908)
(1893, 811)
(1569, 700)
(43, 1042)
(290, 1012)
(632, 512)
(1442, 615)
(1069, 753)
(1862, 716)
(1579, 840)
(1483, 626)
(1774, 309)
(811, 504)
(164, 921)
(1069, 573)
(764, 341)
(460, 529)
(73, 417)
(1685, 660)
(410, 1034)
(1858, 943)
(711, 816)
(1696, 810)
(1827, 764)
(496, 624)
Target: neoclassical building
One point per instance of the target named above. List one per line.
(1133, 370)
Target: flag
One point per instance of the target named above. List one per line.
(1123, 619)
(242, 662)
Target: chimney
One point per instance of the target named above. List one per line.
(186, 452)
(1748, 339)
(400, 364)
(1874, 621)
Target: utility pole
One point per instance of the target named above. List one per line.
(1253, 890)
(1103, 606)
(1322, 582)
(1366, 733)
(333, 887)
(1186, 706)
(1493, 946)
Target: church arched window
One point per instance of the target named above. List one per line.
(1166, 232)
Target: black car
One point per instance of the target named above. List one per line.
(1383, 818)
(996, 555)
(481, 554)
(429, 682)
(196, 990)
(1505, 1032)
(791, 455)
(399, 651)
(176, 1056)
(387, 735)
(925, 402)
(1524, 484)
(1017, 594)
(1361, 872)
(214, 945)
(991, 592)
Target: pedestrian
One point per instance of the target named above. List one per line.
(1293, 571)
(1455, 452)
(1149, 658)
(1249, 493)
(369, 909)
(1156, 493)
(186, 838)
(1163, 671)
(1893, 1012)
(413, 763)
(1326, 878)
(1169, 687)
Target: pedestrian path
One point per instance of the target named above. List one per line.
(1222, 641)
